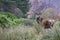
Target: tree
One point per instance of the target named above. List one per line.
(21, 4)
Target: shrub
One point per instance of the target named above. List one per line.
(48, 13)
(26, 22)
(8, 19)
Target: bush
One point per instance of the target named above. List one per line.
(8, 19)
(48, 13)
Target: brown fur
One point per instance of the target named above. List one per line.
(45, 22)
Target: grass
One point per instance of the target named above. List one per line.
(34, 32)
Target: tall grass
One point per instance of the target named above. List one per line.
(22, 33)
(34, 32)
(52, 34)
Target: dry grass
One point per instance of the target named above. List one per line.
(22, 33)
(35, 32)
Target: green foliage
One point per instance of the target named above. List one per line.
(26, 32)
(7, 19)
(22, 4)
(9, 15)
(26, 22)
(57, 24)
(29, 32)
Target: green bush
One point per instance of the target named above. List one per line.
(7, 19)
